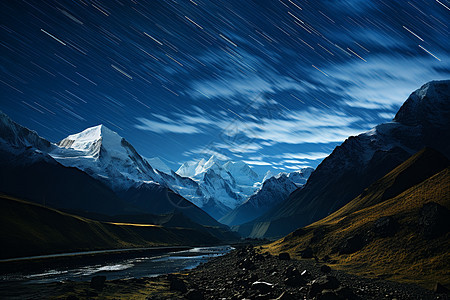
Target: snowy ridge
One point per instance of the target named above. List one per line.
(105, 155)
(158, 165)
(273, 191)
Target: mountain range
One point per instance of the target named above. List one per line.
(95, 173)
(423, 120)
(120, 180)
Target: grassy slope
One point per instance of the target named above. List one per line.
(31, 229)
(405, 257)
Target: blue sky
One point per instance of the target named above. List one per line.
(277, 84)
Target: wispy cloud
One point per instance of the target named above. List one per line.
(257, 163)
(305, 126)
(366, 84)
(165, 126)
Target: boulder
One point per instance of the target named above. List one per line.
(176, 284)
(98, 282)
(194, 294)
(322, 283)
(262, 286)
(325, 269)
(284, 256)
(328, 295)
(434, 220)
(440, 289)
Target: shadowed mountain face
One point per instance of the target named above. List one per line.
(402, 220)
(272, 192)
(32, 229)
(423, 120)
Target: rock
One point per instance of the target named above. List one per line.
(262, 286)
(345, 293)
(176, 284)
(286, 296)
(284, 256)
(246, 263)
(352, 244)
(325, 282)
(98, 282)
(384, 227)
(325, 269)
(434, 219)
(327, 295)
(305, 274)
(293, 277)
(440, 289)
(307, 253)
(193, 294)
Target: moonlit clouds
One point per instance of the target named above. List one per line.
(249, 80)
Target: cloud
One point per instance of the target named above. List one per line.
(187, 123)
(239, 148)
(165, 126)
(386, 81)
(244, 86)
(307, 155)
(298, 127)
(257, 163)
(293, 161)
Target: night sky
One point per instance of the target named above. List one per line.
(277, 84)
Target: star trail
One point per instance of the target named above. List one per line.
(277, 84)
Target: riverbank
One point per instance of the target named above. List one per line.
(246, 273)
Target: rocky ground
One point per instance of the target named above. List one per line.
(249, 274)
(246, 273)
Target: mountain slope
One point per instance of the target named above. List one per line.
(272, 192)
(398, 228)
(30, 229)
(423, 120)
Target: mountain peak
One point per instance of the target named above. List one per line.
(427, 105)
(92, 138)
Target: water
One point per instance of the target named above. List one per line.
(137, 267)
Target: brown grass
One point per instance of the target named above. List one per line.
(405, 257)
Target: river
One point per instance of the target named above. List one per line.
(134, 267)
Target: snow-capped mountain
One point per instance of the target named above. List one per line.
(227, 183)
(15, 136)
(273, 191)
(159, 165)
(423, 120)
(96, 160)
(106, 156)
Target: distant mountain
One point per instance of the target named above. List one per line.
(159, 165)
(95, 171)
(273, 191)
(26, 171)
(398, 227)
(423, 120)
(225, 185)
(108, 157)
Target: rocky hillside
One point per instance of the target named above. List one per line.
(397, 229)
